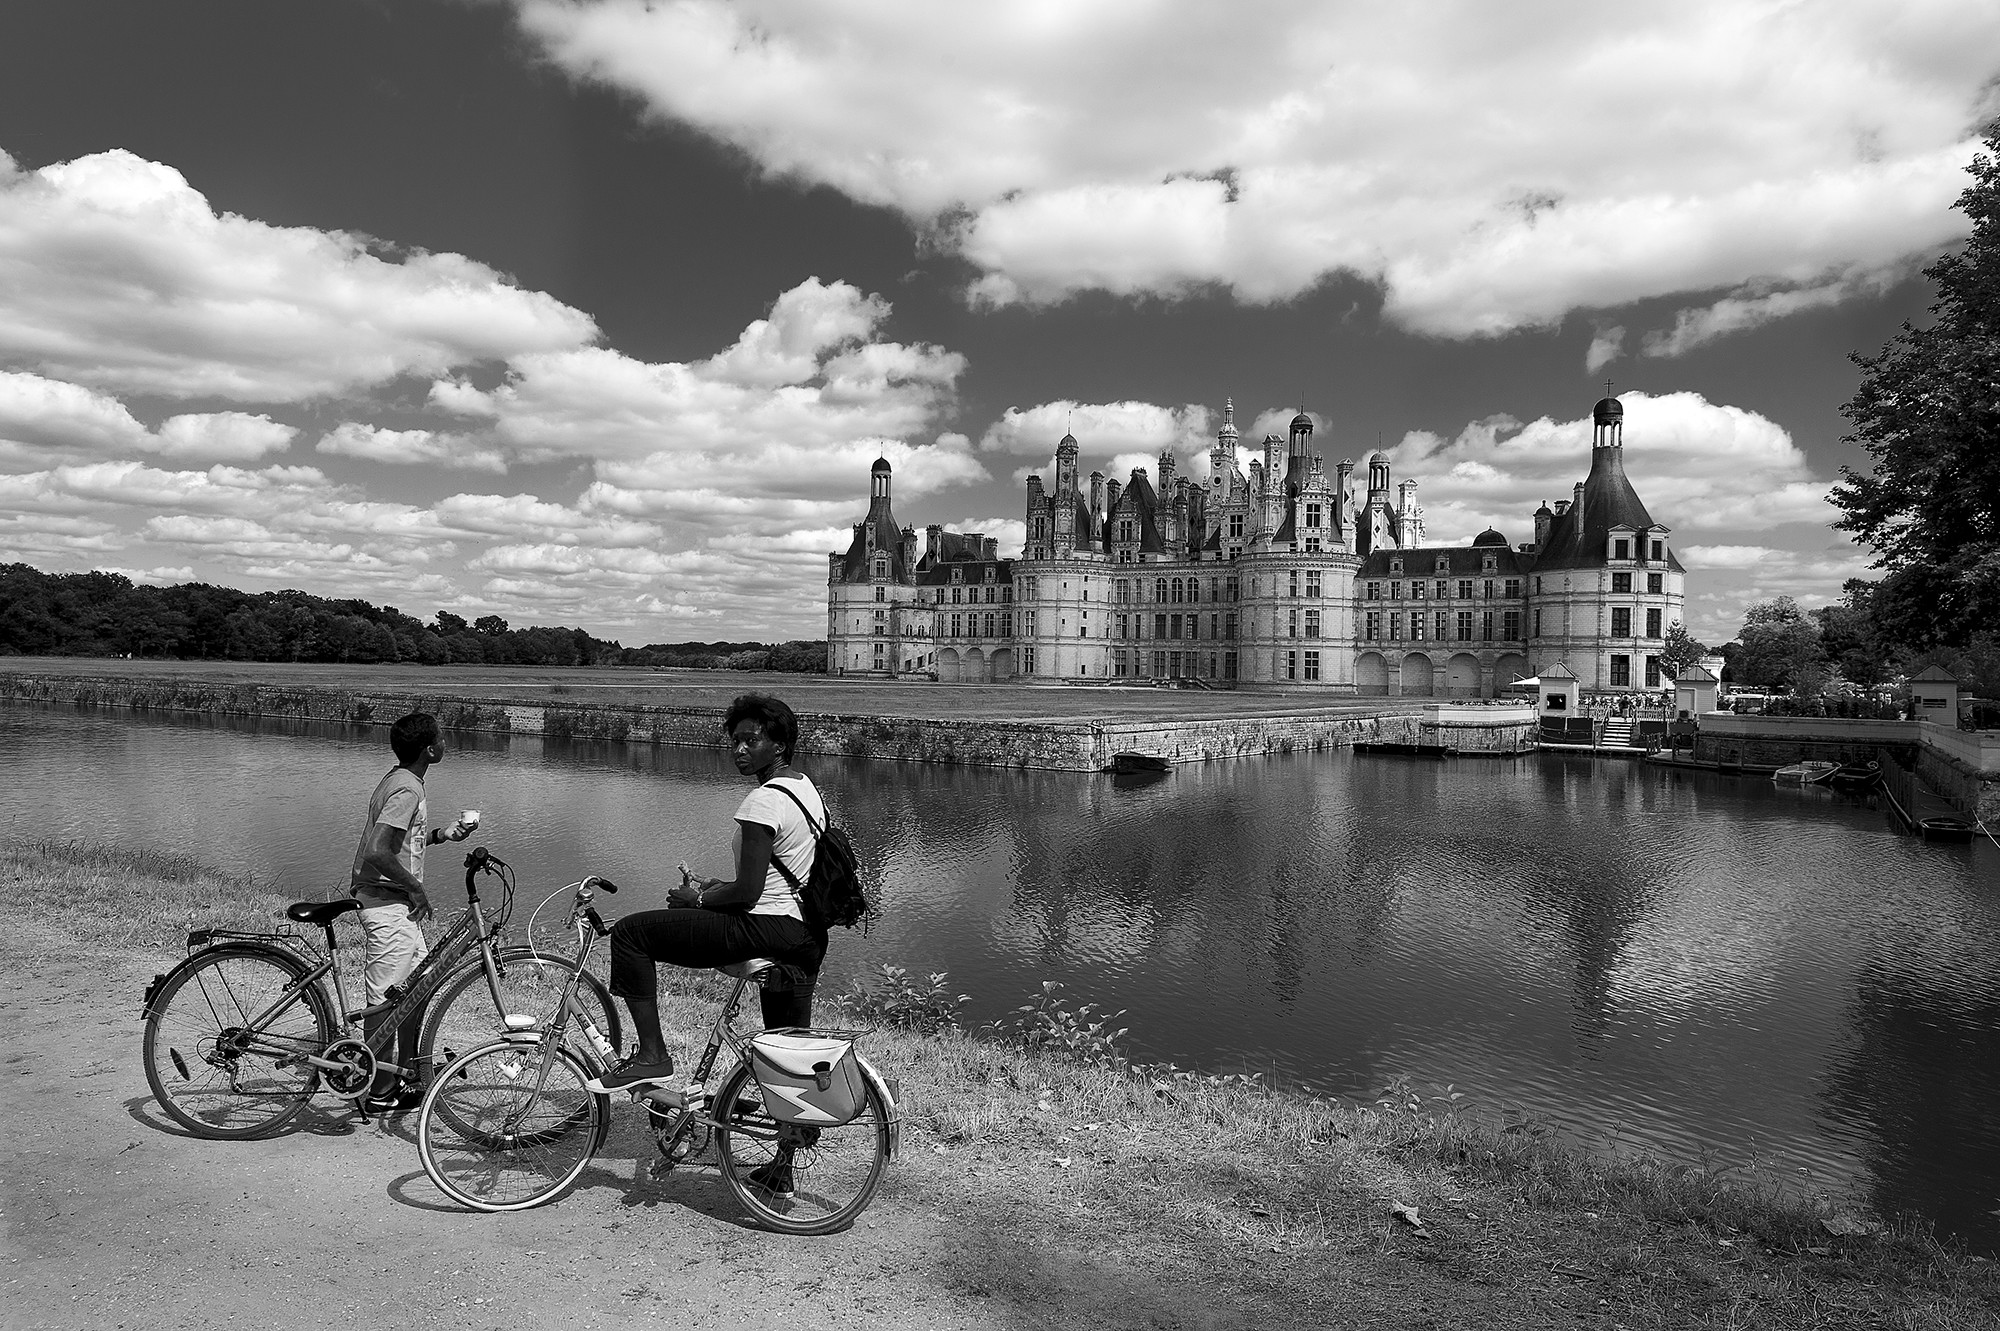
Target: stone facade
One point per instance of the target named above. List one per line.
(1278, 575)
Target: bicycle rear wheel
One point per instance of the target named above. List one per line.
(496, 1134)
(831, 1172)
(461, 1015)
(210, 1071)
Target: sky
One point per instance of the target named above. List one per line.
(596, 312)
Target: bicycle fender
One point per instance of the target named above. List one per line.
(882, 1087)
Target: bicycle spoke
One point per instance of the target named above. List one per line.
(209, 1069)
(831, 1172)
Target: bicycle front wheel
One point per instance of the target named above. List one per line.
(214, 1067)
(510, 1125)
(794, 1179)
(462, 1016)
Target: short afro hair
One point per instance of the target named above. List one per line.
(412, 734)
(777, 719)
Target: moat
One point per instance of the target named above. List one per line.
(1717, 968)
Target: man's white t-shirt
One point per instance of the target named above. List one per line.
(794, 842)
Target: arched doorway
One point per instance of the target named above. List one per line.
(973, 669)
(1002, 663)
(1417, 675)
(1461, 676)
(947, 665)
(1506, 670)
(1371, 674)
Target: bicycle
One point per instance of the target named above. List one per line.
(513, 1124)
(242, 1033)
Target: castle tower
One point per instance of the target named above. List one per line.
(1409, 517)
(1064, 534)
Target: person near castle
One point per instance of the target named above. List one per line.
(713, 922)
(388, 880)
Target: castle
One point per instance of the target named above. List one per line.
(1275, 576)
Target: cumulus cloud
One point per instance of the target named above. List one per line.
(46, 421)
(411, 448)
(1488, 168)
(1103, 430)
(120, 276)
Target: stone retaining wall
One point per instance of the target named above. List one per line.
(1776, 741)
(1068, 746)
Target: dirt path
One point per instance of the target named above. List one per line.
(113, 1219)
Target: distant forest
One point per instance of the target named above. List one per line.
(106, 614)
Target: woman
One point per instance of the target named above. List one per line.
(717, 922)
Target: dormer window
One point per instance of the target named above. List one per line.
(1659, 550)
(1621, 548)
(1488, 564)
(958, 575)
(1443, 564)
(1395, 566)
(989, 572)
(1125, 529)
(1312, 515)
(881, 567)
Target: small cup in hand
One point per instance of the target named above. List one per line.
(468, 822)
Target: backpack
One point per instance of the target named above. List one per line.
(832, 893)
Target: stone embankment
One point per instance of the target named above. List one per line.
(1961, 765)
(1066, 745)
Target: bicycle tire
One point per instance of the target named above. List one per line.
(460, 1016)
(202, 1005)
(835, 1170)
(470, 1126)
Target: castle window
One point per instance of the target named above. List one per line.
(1118, 662)
(1292, 624)
(1121, 591)
(1417, 626)
(1443, 587)
(1395, 588)
(1510, 625)
(881, 614)
(1416, 589)
(958, 575)
(1372, 625)
(989, 623)
(881, 593)
(1125, 529)
(1173, 626)
(1229, 627)
(954, 626)
(1214, 628)
(1652, 672)
(1465, 626)
(1513, 588)
(1291, 665)
(1159, 626)
(1229, 665)
(1312, 623)
(881, 567)
(1236, 526)
(1312, 665)
(1374, 591)
(1465, 589)
(1621, 582)
(1486, 626)
(1159, 589)
(1656, 583)
(1621, 670)
(1312, 582)
(955, 594)
(1312, 545)
(1006, 595)
(1041, 528)
(1395, 624)
(1395, 566)
(1295, 583)
(1486, 589)
(1312, 515)
(1621, 622)
(1652, 623)
(1443, 624)
(940, 596)
(1621, 549)
(1659, 549)
(1488, 564)
(989, 572)
(1179, 591)
(1538, 586)
(1538, 623)
(1443, 566)
(1006, 624)
(880, 631)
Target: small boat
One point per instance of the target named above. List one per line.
(1127, 763)
(1855, 776)
(1808, 773)
(1944, 828)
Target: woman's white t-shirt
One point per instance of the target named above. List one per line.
(794, 841)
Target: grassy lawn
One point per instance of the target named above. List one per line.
(714, 688)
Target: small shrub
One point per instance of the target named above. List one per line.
(1050, 1025)
(897, 998)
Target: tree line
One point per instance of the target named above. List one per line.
(106, 614)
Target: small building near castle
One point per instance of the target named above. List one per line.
(1276, 574)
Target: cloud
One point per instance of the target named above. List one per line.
(45, 422)
(1759, 306)
(411, 448)
(1488, 168)
(221, 436)
(1102, 430)
(1606, 345)
(120, 276)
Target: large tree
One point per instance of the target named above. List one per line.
(1928, 412)
(1780, 646)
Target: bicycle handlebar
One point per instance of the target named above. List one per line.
(604, 883)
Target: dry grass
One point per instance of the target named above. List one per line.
(1286, 1199)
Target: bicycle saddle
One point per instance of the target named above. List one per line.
(320, 912)
(748, 970)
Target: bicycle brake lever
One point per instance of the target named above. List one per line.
(605, 883)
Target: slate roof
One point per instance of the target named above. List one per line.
(1463, 561)
(1580, 537)
(888, 540)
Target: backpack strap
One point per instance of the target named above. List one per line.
(798, 888)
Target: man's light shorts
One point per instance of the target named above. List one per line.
(394, 947)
